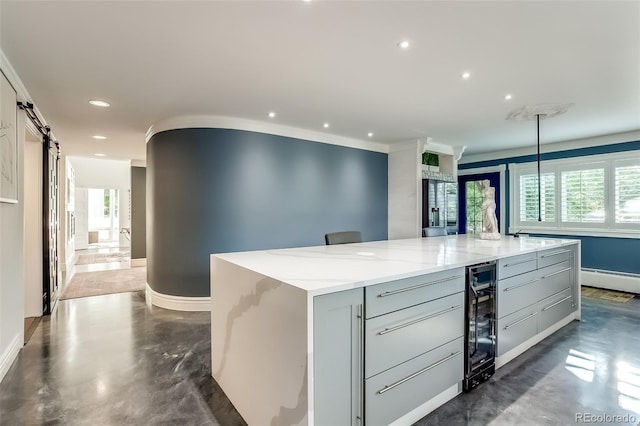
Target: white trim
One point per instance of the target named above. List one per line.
(177, 303)
(138, 163)
(10, 354)
(137, 263)
(417, 413)
(502, 168)
(234, 123)
(521, 348)
(603, 279)
(555, 147)
(620, 233)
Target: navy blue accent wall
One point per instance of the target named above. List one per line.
(219, 190)
(611, 254)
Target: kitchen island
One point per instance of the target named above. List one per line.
(373, 333)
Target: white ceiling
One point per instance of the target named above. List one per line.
(332, 61)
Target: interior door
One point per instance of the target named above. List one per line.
(470, 201)
(50, 222)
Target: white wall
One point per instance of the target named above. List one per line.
(11, 267)
(33, 228)
(101, 173)
(405, 190)
(66, 206)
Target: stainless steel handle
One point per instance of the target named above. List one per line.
(415, 321)
(506, 327)
(555, 253)
(507, 265)
(556, 273)
(402, 290)
(360, 366)
(417, 373)
(564, 299)
(520, 285)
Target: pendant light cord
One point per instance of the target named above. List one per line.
(539, 183)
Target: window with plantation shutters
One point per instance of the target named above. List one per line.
(582, 196)
(595, 195)
(529, 197)
(627, 194)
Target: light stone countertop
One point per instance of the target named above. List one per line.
(327, 269)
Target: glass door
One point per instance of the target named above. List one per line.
(470, 200)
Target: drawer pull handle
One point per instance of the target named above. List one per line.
(508, 326)
(415, 321)
(557, 303)
(520, 285)
(417, 373)
(555, 253)
(507, 265)
(402, 290)
(556, 273)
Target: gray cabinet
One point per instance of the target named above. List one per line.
(337, 336)
(397, 391)
(517, 328)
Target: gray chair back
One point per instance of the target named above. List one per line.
(344, 237)
(434, 232)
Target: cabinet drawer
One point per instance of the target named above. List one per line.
(400, 294)
(517, 265)
(392, 394)
(518, 292)
(554, 308)
(553, 256)
(516, 328)
(396, 337)
(555, 278)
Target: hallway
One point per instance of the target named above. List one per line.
(114, 360)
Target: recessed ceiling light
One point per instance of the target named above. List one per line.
(507, 97)
(404, 44)
(99, 103)
(99, 155)
(100, 137)
(465, 75)
(325, 125)
(272, 114)
(370, 134)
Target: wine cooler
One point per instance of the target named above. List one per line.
(480, 327)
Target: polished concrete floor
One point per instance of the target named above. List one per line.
(114, 360)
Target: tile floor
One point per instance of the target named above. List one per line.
(114, 360)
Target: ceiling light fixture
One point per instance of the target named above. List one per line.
(272, 114)
(99, 155)
(100, 137)
(404, 44)
(537, 113)
(370, 134)
(508, 97)
(98, 103)
(325, 125)
(465, 75)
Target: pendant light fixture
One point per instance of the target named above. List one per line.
(537, 113)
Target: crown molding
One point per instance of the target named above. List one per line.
(234, 123)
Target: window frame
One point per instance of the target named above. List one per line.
(609, 227)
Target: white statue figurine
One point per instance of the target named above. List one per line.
(489, 219)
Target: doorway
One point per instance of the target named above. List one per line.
(470, 201)
(103, 224)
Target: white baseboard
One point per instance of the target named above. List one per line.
(604, 279)
(416, 414)
(521, 348)
(10, 355)
(137, 263)
(177, 303)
